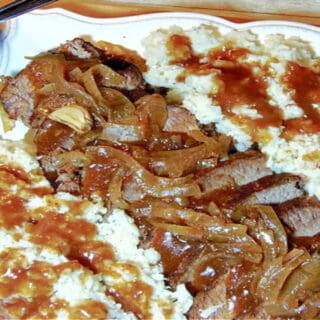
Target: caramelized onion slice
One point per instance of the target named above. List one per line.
(184, 231)
(152, 110)
(52, 69)
(175, 163)
(115, 193)
(122, 133)
(152, 185)
(173, 213)
(112, 103)
(309, 309)
(222, 142)
(75, 158)
(7, 123)
(304, 279)
(121, 109)
(276, 272)
(241, 245)
(265, 226)
(106, 77)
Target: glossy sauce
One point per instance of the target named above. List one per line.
(206, 271)
(98, 174)
(12, 210)
(116, 268)
(71, 236)
(180, 49)
(306, 85)
(58, 232)
(52, 136)
(43, 308)
(35, 281)
(96, 178)
(133, 296)
(242, 88)
(240, 284)
(92, 254)
(239, 86)
(16, 173)
(172, 249)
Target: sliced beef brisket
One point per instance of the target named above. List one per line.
(78, 48)
(240, 169)
(18, 97)
(301, 216)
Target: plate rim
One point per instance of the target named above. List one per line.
(176, 14)
(10, 24)
(11, 27)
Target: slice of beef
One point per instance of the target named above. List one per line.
(78, 48)
(301, 216)
(64, 168)
(180, 120)
(240, 169)
(18, 97)
(81, 49)
(20, 100)
(213, 302)
(269, 190)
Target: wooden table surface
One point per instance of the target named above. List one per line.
(307, 11)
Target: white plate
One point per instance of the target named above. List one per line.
(44, 29)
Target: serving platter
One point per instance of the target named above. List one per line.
(41, 30)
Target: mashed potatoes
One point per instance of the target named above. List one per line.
(195, 65)
(41, 232)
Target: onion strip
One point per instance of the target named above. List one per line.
(276, 272)
(152, 185)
